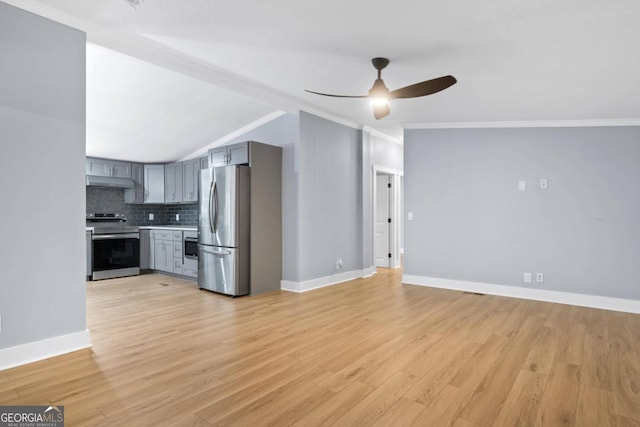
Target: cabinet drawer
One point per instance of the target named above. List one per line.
(177, 249)
(177, 265)
(177, 236)
(189, 271)
(164, 235)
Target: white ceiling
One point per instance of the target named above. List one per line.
(231, 63)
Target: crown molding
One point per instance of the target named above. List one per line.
(525, 124)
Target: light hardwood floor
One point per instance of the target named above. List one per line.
(366, 352)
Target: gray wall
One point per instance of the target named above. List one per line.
(472, 223)
(42, 167)
(330, 197)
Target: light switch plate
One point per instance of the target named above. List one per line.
(527, 277)
(177, 217)
(150, 217)
(522, 185)
(409, 216)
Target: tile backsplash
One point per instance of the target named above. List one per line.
(101, 199)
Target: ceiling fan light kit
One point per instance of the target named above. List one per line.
(380, 95)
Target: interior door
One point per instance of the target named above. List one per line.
(382, 218)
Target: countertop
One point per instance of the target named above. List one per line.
(169, 227)
(161, 227)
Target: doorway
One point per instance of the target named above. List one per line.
(383, 219)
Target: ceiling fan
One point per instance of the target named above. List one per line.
(380, 94)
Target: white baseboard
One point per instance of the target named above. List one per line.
(322, 282)
(368, 272)
(594, 301)
(11, 357)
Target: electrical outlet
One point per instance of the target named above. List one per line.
(522, 185)
(539, 277)
(150, 217)
(527, 277)
(409, 216)
(177, 217)
(338, 264)
(544, 183)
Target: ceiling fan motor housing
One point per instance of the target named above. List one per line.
(380, 63)
(379, 90)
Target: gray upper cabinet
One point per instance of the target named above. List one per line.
(154, 183)
(218, 156)
(191, 172)
(173, 183)
(105, 167)
(136, 195)
(204, 162)
(235, 154)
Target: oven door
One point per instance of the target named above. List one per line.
(115, 255)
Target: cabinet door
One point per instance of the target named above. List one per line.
(163, 256)
(238, 154)
(173, 183)
(154, 183)
(119, 169)
(204, 162)
(191, 171)
(136, 194)
(97, 167)
(218, 157)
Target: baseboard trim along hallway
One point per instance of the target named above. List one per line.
(39, 350)
(582, 300)
(321, 282)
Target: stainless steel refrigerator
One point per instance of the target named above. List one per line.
(223, 229)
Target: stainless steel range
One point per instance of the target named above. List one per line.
(116, 246)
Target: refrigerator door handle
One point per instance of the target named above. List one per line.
(211, 206)
(215, 252)
(215, 217)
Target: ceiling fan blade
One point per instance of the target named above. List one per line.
(381, 111)
(338, 96)
(427, 87)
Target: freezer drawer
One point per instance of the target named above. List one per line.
(223, 270)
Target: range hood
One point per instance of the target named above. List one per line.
(109, 181)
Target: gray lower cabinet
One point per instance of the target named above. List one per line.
(154, 183)
(145, 249)
(136, 195)
(89, 253)
(165, 251)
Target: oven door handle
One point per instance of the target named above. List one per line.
(116, 236)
